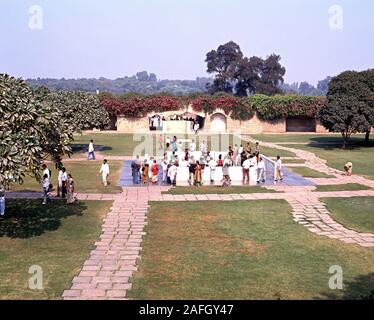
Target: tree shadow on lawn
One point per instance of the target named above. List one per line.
(360, 288)
(331, 143)
(29, 218)
(83, 148)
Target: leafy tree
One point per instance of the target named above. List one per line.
(347, 109)
(368, 79)
(223, 62)
(237, 74)
(31, 131)
(82, 110)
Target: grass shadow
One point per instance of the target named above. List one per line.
(360, 288)
(83, 148)
(332, 143)
(29, 218)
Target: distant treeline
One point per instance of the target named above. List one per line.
(142, 83)
(149, 87)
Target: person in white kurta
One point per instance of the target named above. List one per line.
(261, 170)
(104, 170)
(193, 146)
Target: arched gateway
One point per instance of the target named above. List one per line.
(218, 122)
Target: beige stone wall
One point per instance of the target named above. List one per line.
(320, 128)
(252, 126)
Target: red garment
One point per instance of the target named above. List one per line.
(155, 170)
(220, 163)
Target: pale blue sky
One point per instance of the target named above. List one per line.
(114, 38)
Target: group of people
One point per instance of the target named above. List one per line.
(149, 170)
(65, 184)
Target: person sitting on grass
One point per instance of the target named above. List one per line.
(348, 168)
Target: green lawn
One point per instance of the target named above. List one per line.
(121, 144)
(329, 148)
(361, 157)
(218, 190)
(285, 161)
(354, 213)
(56, 237)
(86, 176)
(342, 187)
(305, 138)
(309, 173)
(242, 250)
(113, 144)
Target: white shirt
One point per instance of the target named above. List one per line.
(172, 172)
(261, 165)
(246, 164)
(46, 172)
(240, 150)
(278, 164)
(164, 166)
(91, 147)
(64, 176)
(212, 164)
(46, 184)
(193, 146)
(203, 147)
(252, 162)
(104, 168)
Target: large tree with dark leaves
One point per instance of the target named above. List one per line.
(243, 76)
(30, 131)
(224, 62)
(348, 109)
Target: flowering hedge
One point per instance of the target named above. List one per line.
(268, 107)
(277, 107)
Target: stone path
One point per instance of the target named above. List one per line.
(106, 273)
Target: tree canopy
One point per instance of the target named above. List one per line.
(242, 76)
(30, 131)
(349, 108)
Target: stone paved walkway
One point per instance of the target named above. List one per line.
(106, 273)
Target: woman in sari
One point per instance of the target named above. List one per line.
(155, 172)
(198, 175)
(70, 190)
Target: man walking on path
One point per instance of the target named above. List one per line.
(135, 166)
(261, 170)
(104, 170)
(91, 151)
(278, 169)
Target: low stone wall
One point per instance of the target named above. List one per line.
(253, 126)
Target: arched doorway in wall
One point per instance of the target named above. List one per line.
(218, 122)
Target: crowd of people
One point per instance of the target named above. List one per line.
(148, 170)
